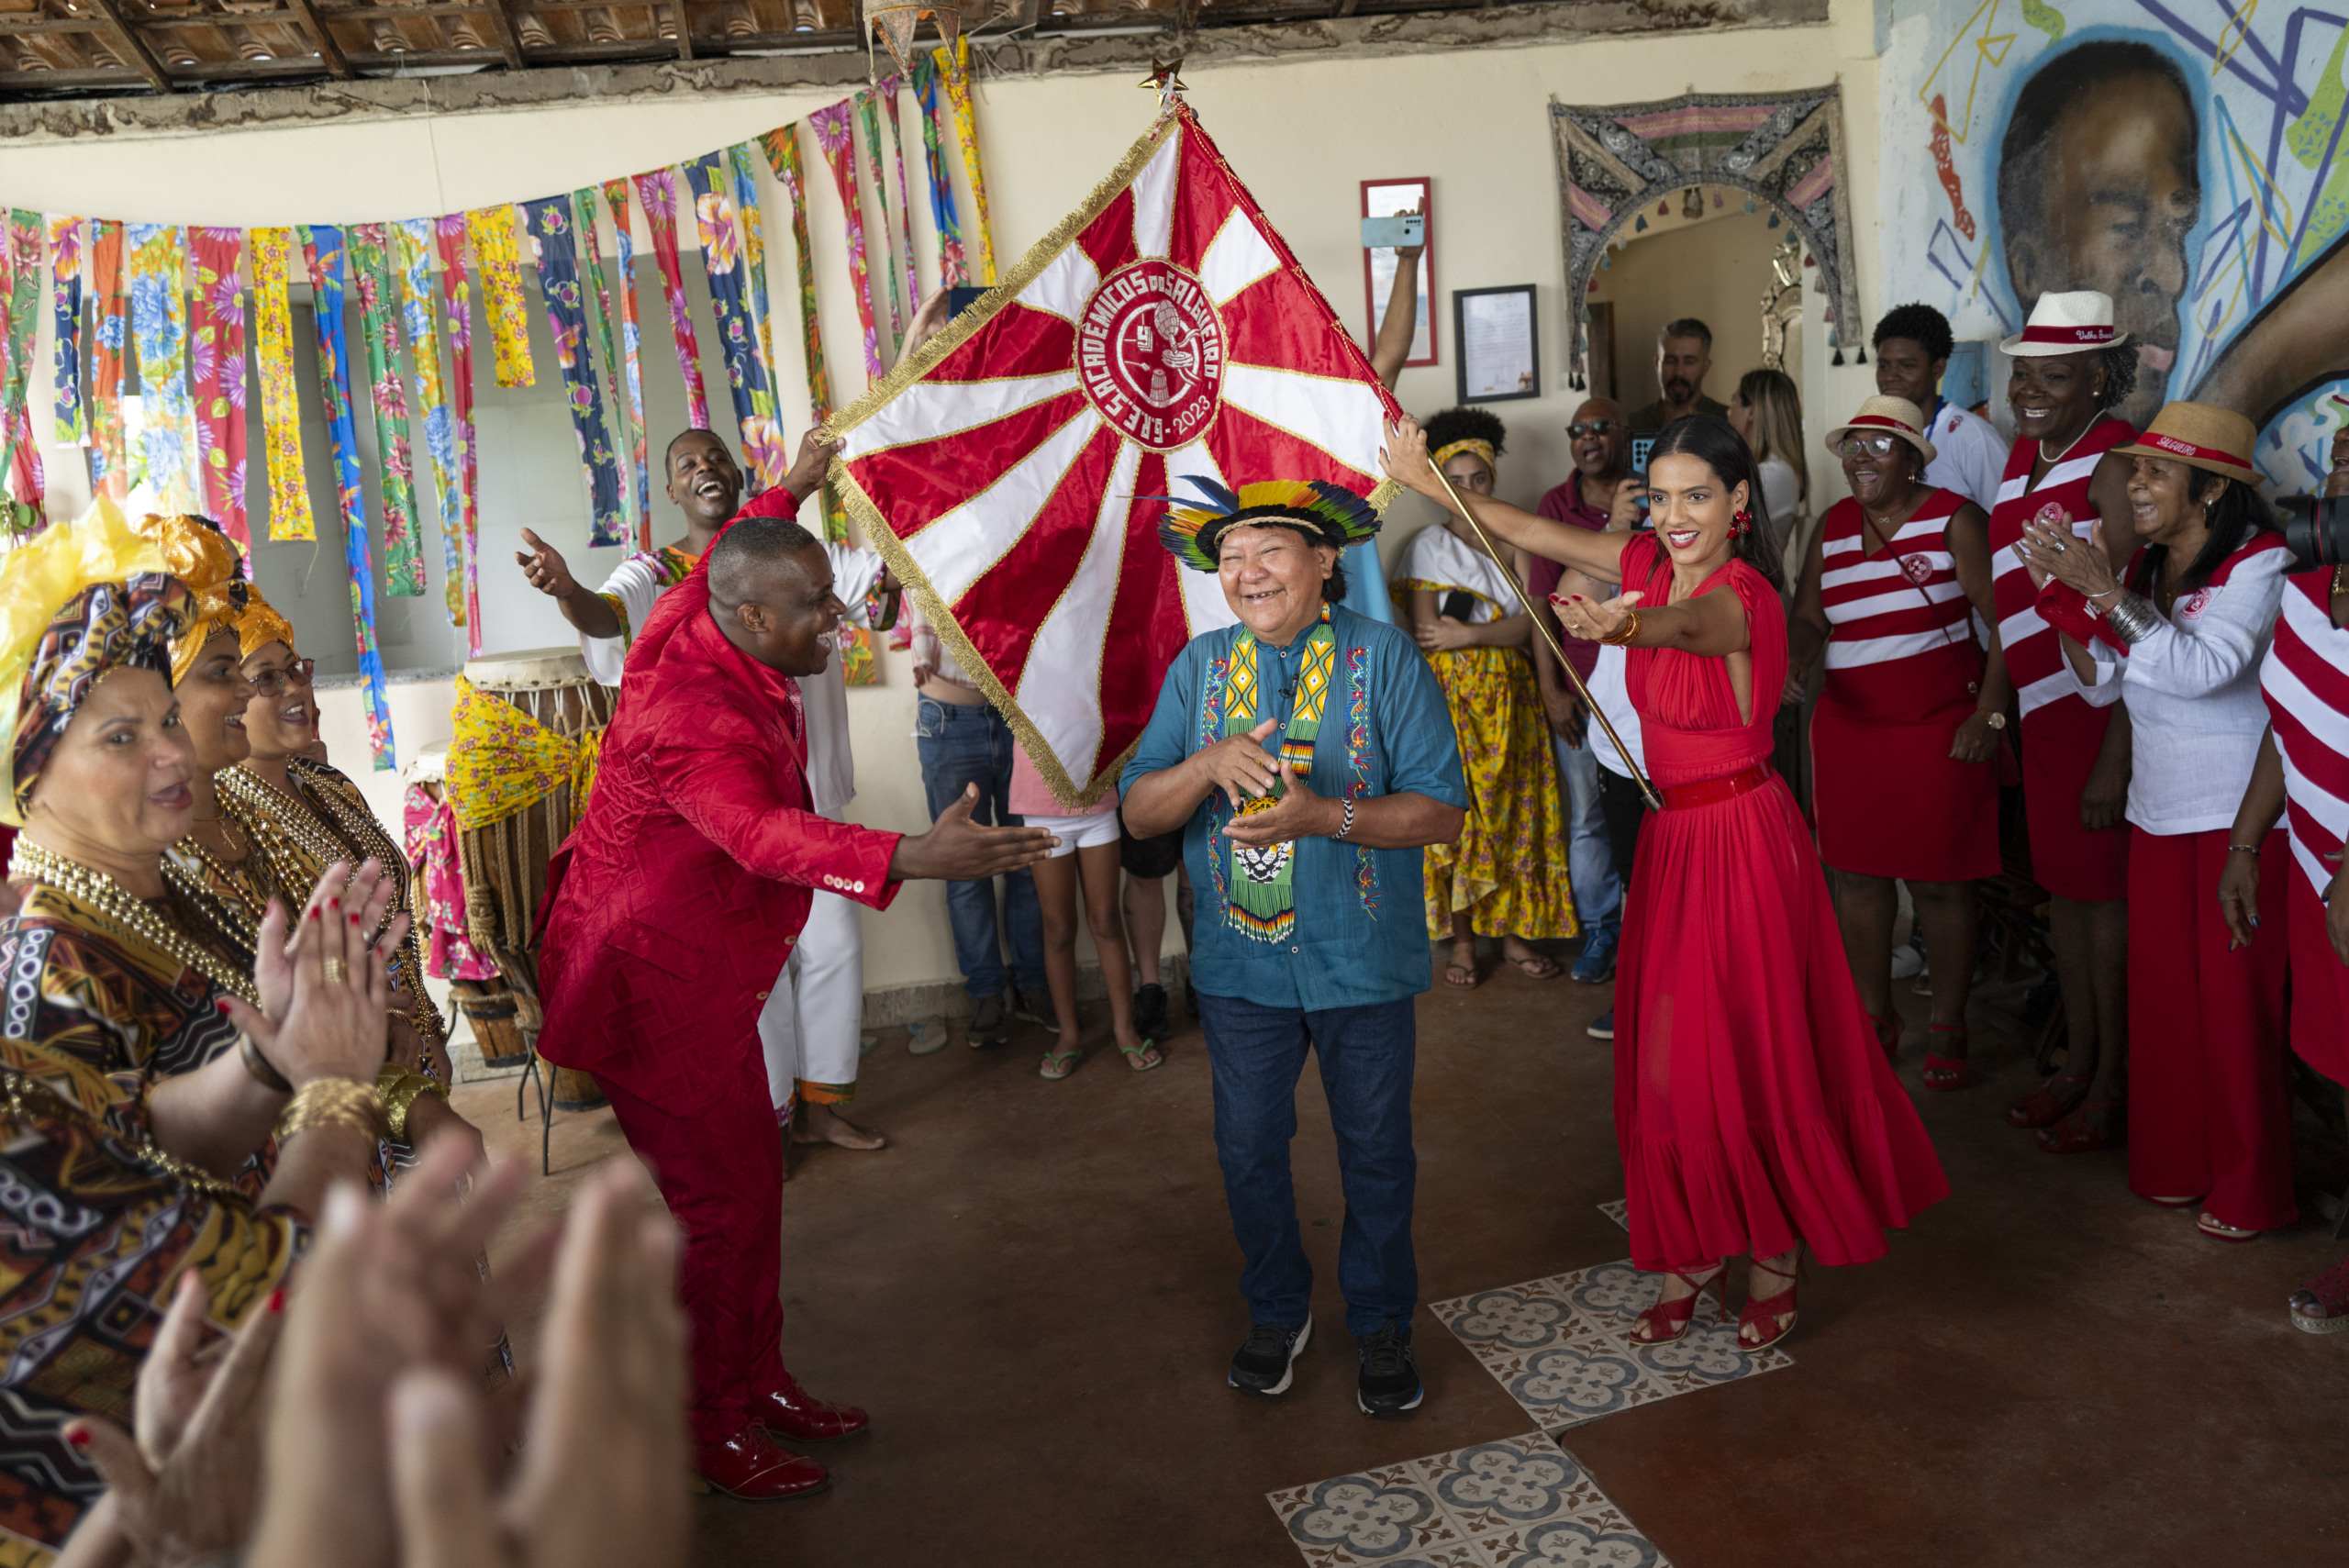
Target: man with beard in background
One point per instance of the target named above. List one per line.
(1684, 353)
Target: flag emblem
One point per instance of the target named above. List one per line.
(1150, 352)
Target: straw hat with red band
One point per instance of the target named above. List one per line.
(2078, 323)
(2217, 440)
(1890, 417)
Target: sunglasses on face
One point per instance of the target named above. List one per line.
(1590, 427)
(272, 684)
(1866, 446)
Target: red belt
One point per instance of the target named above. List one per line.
(1712, 792)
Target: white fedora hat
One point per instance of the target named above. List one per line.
(2076, 323)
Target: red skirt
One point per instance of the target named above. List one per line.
(1891, 801)
(2320, 981)
(2060, 745)
(1753, 1105)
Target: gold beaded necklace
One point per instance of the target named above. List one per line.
(226, 897)
(28, 1100)
(96, 890)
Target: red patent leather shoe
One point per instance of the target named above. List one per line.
(749, 1466)
(798, 1416)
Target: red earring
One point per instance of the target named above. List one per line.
(1745, 524)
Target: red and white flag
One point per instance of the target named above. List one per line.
(1163, 329)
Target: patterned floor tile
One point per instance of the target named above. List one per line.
(1384, 1515)
(1619, 1210)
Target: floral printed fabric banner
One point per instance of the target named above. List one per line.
(905, 231)
(551, 242)
(868, 115)
(322, 251)
(837, 143)
(216, 369)
(65, 306)
(413, 238)
(109, 335)
(492, 232)
(632, 349)
(628, 417)
(281, 407)
(942, 215)
(658, 191)
(782, 148)
(370, 271)
(742, 173)
(738, 337)
(159, 325)
(456, 298)
(956, 69)
(19, 319)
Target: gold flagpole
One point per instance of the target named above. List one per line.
(1648, 791)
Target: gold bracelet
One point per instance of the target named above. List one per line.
(1623, 634)
(264, 1071)
(335, 1101)
(401, 1097)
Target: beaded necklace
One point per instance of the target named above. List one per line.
(99, 892)
(29, 1100)
(226, 897)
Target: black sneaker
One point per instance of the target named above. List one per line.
(1263, 1363)
(1390, 1378)
(1602, 1026)
(1149, 1014)
(989, 1026)
(1036, 1007)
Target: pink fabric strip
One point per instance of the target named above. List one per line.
(658, 191)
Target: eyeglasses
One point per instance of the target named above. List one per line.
(1866, 446)
(272, 684)
(1590, 427)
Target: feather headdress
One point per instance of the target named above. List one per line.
(1331, 514)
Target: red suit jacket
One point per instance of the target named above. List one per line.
(679, 895)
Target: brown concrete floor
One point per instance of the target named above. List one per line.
(1034, 1292)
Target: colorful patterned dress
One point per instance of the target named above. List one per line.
(1508, 867)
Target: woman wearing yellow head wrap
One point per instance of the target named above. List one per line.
(128, 1098)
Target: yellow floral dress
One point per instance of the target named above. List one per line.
(1508, 867)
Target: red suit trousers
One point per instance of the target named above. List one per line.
(721, 1171)
(2208, 1111)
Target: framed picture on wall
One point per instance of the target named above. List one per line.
(1500, 356)
(1392, 198)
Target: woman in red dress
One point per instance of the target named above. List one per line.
(1754, 1110)
(1910, 718)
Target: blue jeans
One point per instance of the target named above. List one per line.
(959, 747)
(1257, 1053)
(1590, 865)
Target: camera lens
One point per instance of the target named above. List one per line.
(2316, 530)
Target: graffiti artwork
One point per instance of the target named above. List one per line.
(2184, 156)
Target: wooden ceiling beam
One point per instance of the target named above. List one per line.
(685, 30)
(509, 40)
(127, 38)
(305, 15)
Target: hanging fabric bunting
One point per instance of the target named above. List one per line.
(743, 175)
(216, 347)
(19, 321)
(868, 115)
(658, 191)
(631, 345)
(413, 238)
(109, 335)
(723, 259)
(281, 407)
(956, 69)
(370, 276)
(837, 144)
(322, 252)
(65, 306)
(626, 422)
(456, 300)
(159, 325)
(491, 230)
(550, 224)
(942, 215)
(782, 155)
(905, 232)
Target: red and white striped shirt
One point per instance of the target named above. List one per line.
(2305, 682)
(1900, 639)
(2034, 657)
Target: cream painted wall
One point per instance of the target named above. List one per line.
(1302, 132)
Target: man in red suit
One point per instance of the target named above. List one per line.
(677, 900)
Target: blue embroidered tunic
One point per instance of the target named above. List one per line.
(1358, 939)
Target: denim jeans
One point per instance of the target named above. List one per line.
(960, 745)
(1366, 1054)
(1590, 865)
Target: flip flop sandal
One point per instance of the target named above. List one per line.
(1452, 966)
(1135, 1053)
(1066, 1060)
(1540, 966)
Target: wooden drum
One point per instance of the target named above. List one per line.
(505, 864)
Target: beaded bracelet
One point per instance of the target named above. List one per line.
(333, 1102)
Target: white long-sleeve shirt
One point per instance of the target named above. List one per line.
(1971, 456)
(2192, 686)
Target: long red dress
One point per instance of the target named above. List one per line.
(1751, 1103)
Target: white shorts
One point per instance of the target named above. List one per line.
(1076, 833)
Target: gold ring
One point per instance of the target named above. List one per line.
(337, 971)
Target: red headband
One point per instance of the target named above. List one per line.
(2085, 337)
(2177, 448)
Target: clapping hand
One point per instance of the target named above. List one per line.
(2048, 549)
(1298, 814)
(1240, 766)
(1592, 619)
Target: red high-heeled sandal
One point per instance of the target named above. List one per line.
(1888, 1034)
(2041, 1108)
(1770, 1317)
(1676, 1316)
(2073, 1135)
(1948, 1072)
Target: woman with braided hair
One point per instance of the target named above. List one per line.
(1505, 876)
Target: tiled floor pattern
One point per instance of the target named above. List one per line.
(1619, 1210)
(1525, 1502)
